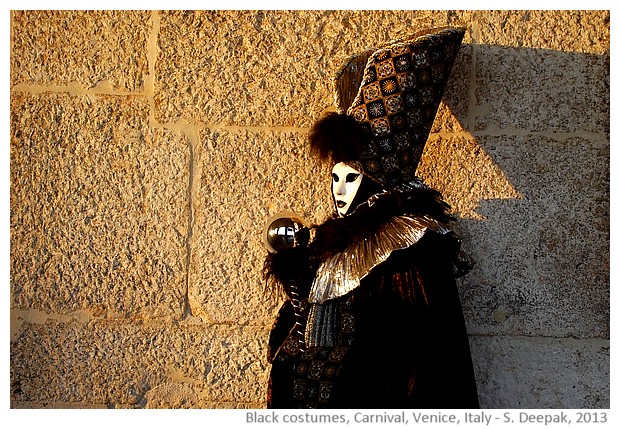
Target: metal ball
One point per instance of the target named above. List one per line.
(281, 233)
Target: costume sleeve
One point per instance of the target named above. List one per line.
(288, 267)
(283, 324)
(287, 271)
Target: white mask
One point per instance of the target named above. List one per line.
(345, 183)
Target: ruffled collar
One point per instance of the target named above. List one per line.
(349, 248)
(343, 272)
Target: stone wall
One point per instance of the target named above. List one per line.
(149, 148)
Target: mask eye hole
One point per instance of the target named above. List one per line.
(352, 177)
(335, 177)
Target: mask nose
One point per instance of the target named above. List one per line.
(339, 189)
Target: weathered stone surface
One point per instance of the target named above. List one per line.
(86, 47)
(536, 90)
(135, 365)
(266, 67)
(243, 178)
(99, 207)
(138, 201)
(542, 259)
(541, 373)
(557, 30)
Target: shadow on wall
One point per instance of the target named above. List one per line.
(528, 175)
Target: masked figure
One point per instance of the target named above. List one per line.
(373, 317)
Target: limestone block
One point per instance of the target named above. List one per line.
(243, 178)
(539, 90)
(521, 373)
(139, 365)
(99, 207)
(263, 68)
(585, 31)
(542, 256)
(87, 47)
(54, 406)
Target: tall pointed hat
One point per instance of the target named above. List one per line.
(382, 130)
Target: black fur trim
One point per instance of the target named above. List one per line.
(287, 267)
(337, 138)
(335, 234)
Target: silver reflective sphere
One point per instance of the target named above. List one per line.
(281, 233)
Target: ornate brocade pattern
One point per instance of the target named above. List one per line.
(399, 95)
(316, 367)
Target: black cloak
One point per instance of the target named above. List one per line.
(396, 340)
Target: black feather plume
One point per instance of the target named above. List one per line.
(338, 138)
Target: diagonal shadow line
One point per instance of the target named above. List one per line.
(521, 141)
(490, 120)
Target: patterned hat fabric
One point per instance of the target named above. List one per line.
(400, 92)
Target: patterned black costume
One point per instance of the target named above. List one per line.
(374, 318)
(398, 340)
